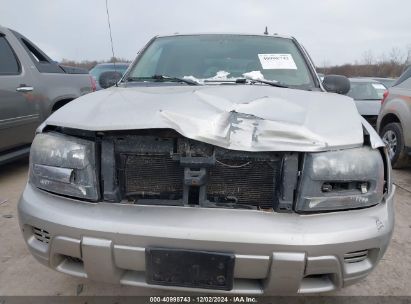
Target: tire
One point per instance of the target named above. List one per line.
(393, 137)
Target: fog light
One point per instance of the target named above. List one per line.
(327, 187)
(364, 188)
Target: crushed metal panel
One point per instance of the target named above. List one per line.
(246, 117)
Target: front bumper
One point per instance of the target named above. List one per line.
(275, 253)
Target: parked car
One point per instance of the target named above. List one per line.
(32, 86)
(367, 94)
(219, 164)
(394, 121)
(387, 82)
(103, 73)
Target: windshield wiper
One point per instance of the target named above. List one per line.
(265, 81)
(164, 78)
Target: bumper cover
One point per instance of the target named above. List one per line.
(274, 253)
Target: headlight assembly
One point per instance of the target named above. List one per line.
(341, 180)
(64, 165)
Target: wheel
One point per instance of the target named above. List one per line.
(393, 137)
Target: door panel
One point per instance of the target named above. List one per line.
(19, 114)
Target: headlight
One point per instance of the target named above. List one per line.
(338, 180)
(64, 165)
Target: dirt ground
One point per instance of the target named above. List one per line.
(20, 274)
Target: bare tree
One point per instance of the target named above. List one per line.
(396, 56)
(88, 64)
(408, 60)
(368, 57)
(325, 64)
(117, 59)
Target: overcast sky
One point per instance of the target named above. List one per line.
(333, 31)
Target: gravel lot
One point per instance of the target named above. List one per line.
(20, 274)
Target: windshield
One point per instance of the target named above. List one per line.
(223, 57)
(366, 90)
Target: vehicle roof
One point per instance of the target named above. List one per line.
(364, 79)
(110, 64)
(228, 33)
(4, 29)
(373, 78)
(384, 78)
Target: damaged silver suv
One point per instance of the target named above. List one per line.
(219, 163)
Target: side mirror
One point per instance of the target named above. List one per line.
(108, 79)
(336, 84)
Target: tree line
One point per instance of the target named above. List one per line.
(389, 65)
(89, 64)
(386, 65)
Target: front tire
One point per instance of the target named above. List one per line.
(393, 137)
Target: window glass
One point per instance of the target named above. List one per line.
(8, 62)
(207, 56)
(366, 90)
(37, 55)
(99, 69)
(406, 84)
(405, 80)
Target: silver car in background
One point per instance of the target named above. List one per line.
(220, 163)
(387, 82)
(367, 94)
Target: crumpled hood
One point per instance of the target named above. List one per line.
(238, 117)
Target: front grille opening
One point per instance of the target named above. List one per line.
(249, 182)
(153, 177)
(356, 256)
(162, 172)
(245, 182)
(41, 235)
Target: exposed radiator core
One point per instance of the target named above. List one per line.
(153, 176)
(154, 169)
(249, 182)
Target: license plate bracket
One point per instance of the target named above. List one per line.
(189, 268)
